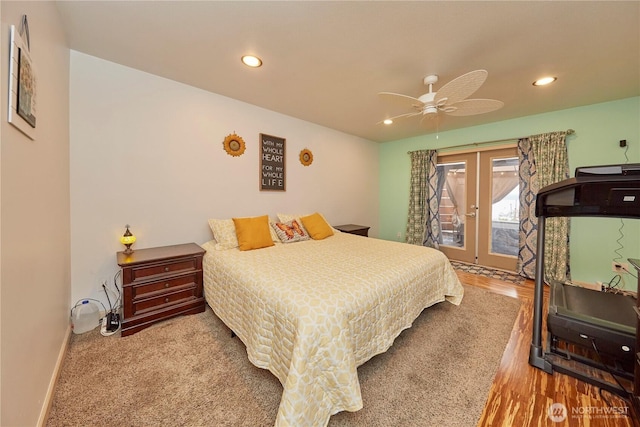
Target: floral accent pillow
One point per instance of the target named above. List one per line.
(291, 231)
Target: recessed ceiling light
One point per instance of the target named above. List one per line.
(251, 61)
(387, 121)
(544, 81)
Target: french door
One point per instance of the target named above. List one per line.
(479, 201)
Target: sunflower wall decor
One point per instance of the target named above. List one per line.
(234, 145)
(306, 157)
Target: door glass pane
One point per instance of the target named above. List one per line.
(451, 186)
(505, 193)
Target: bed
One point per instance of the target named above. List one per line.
(312, 311)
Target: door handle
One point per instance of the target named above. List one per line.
(472, 214)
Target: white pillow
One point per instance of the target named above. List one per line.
(224, 231)
(287, 217)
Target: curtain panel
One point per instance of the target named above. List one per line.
(423, 222)
(543, 161)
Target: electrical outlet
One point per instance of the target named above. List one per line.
(399, 234)
(619, 267)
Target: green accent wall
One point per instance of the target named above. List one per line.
(595, 242)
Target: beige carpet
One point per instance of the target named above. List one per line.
(189, 372)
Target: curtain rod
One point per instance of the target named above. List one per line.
(568, 131)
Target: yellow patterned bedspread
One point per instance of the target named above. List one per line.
(311, 312)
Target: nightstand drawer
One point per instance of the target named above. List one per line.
(148, 290)
(148, 271)
(142, 306)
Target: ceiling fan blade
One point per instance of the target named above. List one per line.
(470, 107)
(461, 87)
(401, 116)
(403, 100)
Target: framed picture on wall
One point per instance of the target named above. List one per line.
(26, 98)
(272, 163)
(22, 84)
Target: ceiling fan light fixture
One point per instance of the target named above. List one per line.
(545, 81)
(251, 61)
(430, 109)
(387, 121)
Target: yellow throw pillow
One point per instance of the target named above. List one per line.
(253, 233)
(316, 226)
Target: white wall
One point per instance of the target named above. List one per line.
(35, 254)
(148, 151)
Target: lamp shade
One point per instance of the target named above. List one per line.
(128, 239)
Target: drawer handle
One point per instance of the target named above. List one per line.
(166, 269)
(166, 300)
(166, 285)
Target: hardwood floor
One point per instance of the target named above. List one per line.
(521, 394)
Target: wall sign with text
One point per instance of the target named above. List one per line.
(272, 161)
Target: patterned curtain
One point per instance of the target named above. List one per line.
(543, 161)
(423, 221)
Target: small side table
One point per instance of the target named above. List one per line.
(359, 230)
(160, 283)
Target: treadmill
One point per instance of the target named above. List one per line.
(582, 322)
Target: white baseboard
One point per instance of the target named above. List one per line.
(46, 406)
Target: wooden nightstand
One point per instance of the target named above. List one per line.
(160, 283)
(360, 230)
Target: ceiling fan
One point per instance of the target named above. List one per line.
(450, 99)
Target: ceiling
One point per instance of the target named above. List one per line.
(325, 62)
